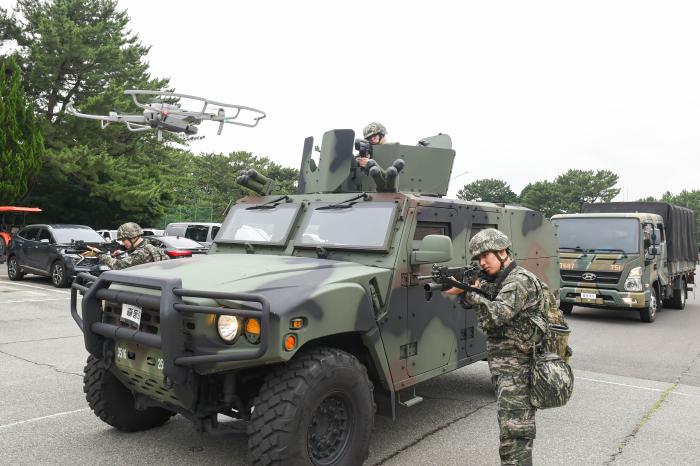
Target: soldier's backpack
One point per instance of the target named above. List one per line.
(551, 377)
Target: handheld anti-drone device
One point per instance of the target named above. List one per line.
(161, 115)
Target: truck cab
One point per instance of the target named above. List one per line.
(627, 257)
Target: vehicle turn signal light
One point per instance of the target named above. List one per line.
(252, 326)
(290, 342)
(296, 324)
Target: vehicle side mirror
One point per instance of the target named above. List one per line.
(433, 249)
(655, 237)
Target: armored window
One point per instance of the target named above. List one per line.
(365, 226)
(477, 227)
(424, 229)
(258, 224)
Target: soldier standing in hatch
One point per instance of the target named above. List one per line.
(139, 250)
(375, 133)
(508, 323)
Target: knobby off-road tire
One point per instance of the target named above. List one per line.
(316, 410)
(13, 272)
(113, 402)
(648, 314)
(59, 277)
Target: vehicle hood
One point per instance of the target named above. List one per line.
(284, 280)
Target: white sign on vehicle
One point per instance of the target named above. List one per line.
(588, 296)
(132, 314)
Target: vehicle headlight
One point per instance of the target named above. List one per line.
(227, 327)
(634, 280)
(635, 273)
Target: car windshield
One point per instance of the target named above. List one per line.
(68, 235)
(265, 224)
(598, 234)
(363, 225)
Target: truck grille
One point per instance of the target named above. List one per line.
(602, 278)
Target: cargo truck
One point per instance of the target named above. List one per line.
(627, 255)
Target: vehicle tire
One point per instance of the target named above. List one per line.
(566, 308)
(679, 296)
(3, 250)
(13, 272)
(59, 277)
(648, 314)
(113, 402)
(317, 409)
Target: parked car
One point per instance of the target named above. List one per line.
(51, 251)
(152, 232)
(108, 235)
(176, 246)
(201, 232)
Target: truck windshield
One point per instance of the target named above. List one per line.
(598, 234)
(270, 225)
(364, 225)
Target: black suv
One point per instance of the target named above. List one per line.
(51, 251)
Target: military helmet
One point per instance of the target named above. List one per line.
(374, 128)
(488, 240)
(129, 230)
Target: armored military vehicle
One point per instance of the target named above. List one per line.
(627, 255)
(307, 315)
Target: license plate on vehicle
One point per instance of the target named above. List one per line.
(131, 314)
(588, 296)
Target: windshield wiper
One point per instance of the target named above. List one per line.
(269, 204)
(622, 251)
(344, 204)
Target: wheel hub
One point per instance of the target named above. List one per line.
(57, 274)
(329, 430)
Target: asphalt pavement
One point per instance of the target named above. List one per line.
(636, 399)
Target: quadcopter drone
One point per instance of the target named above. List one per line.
(164, 116)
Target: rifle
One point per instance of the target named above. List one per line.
(463, 277)
(105, 248)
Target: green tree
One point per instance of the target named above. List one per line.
(487, 190)
(569, 192)
(21, 140)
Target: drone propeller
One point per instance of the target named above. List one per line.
(165, 116)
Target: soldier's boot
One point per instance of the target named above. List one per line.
(516, 451)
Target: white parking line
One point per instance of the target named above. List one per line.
(36, 287)
(636, 386)
(35, 300)
(12, 424)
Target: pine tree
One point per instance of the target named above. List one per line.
(21, 139)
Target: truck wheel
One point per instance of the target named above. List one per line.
(679, 296)
(566, 308)
(648, 314)
(318, 409)
(113, 402)
(59, 277)
(13, 271)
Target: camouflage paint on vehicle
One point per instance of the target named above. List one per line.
(363, 297)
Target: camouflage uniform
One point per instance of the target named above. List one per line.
(144, 252)
(507, 323)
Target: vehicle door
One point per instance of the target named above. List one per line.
(435, 321)
(24, 244)
(44, 252)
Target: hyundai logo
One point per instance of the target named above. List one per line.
(588, 276)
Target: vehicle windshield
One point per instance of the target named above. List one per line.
(598, 234)
(68, 235)
(363, 225)
(268, 225)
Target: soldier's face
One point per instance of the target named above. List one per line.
(489, 262)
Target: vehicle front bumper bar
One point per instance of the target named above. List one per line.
(171, 340)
